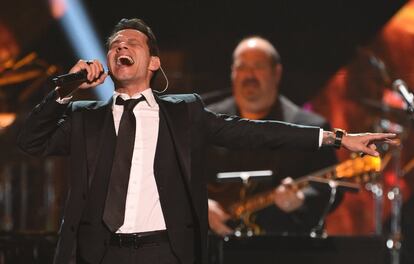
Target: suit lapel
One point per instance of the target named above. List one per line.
(96, 122)
(177, 119)
(176, 116)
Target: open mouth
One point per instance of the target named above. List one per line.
(124, 60)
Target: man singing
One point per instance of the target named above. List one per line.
(137, 194)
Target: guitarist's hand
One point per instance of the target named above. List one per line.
(217, 218)
(288, 197)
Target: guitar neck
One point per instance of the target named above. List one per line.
(252, 204)
(346, 169)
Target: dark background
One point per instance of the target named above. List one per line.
(196, 38)
(314, 38)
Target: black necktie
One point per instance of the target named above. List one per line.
(114, 211)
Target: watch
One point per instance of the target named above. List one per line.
(339, 134)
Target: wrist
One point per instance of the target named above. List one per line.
(65, 91)
(333, 139)
(339, 135)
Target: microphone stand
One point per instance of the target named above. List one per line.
(395, 195)
(377, 192)
(319, 231)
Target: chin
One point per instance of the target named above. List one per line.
(122, 77)
(253, 101)
(254, 106)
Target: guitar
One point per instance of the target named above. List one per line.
(358, 170)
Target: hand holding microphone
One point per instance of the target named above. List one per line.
(83, 75)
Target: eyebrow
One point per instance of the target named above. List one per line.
(118, 41)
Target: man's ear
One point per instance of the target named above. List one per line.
(154, 64)
(278, 72)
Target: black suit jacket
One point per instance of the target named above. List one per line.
(293, 163)
(75, 130)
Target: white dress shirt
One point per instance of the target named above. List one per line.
(142, 208)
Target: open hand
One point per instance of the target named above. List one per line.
(365, 142)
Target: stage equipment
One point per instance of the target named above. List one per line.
(385, 112)
(245, 226)
(405, 117)
(26, 185)
(346, 176)
(18, 81)
(297, 250)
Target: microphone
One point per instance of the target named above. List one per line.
(401, 87)
(79, 76)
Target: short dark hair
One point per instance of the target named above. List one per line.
(141, 26)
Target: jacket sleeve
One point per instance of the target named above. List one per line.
(47, 129)
(238, 133)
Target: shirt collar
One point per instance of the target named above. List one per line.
(147, 93)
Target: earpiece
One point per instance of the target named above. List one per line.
(166, 82)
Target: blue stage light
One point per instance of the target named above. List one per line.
(83, 38)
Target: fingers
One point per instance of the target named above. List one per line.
(380, 136)
(214, 206)
(217, 218)
(95, 72)
(394, 142)
(289, 184)
(219, 227)
(287, 181)
(288, 197)
(365, 142)
(94, 69)
(102, 78)
(369, 150)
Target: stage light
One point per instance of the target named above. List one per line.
(82, 36)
